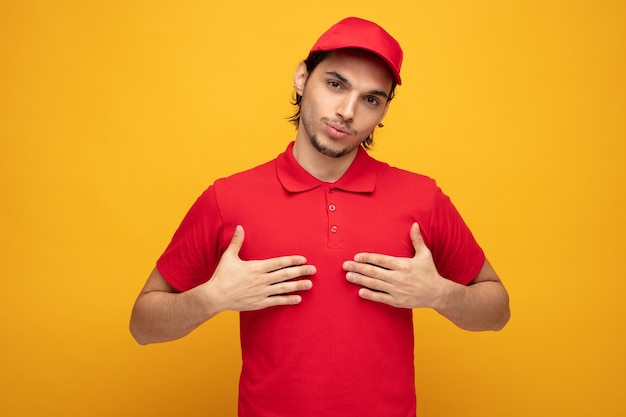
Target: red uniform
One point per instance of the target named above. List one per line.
(334, 354)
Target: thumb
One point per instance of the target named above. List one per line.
(416, 238)
(237, 241)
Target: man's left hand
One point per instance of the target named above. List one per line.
(400, 282)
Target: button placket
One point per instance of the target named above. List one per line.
(334, 229)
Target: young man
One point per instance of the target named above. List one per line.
(325, 251)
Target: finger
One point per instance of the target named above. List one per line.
(281, 300)
(376, 296)
(366, 269)
(237, 241)
(368, 282)
(289, 273)
(416, 237)
(284, 288)
(281, 264)
(377, 260)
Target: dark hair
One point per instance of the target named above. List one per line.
(311, 62)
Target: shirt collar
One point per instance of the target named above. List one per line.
(359, 178)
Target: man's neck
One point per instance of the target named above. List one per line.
(322, 167)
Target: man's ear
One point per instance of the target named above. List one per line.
(300, 77)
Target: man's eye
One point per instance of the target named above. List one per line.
(373, 101)
(334, 84)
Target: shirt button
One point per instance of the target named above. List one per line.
(334, 229)
(332, 207)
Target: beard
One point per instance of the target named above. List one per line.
(319, 146)
(325, 150)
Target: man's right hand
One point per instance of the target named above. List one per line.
(162, 313)
(253, 285)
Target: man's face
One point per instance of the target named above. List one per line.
(343, 100)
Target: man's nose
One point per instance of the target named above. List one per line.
(347, 107)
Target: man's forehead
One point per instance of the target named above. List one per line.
(344, 61)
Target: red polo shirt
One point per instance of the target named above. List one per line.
(334, 354)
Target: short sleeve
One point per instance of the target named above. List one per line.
(456, 253)
(192, 255)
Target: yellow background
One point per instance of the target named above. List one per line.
(116, 115)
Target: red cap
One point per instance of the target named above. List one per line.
(353, 32)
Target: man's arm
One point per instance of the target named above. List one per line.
(415, 283)
(481, 305)
(161, 313)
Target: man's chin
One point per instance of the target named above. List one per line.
(327, 150)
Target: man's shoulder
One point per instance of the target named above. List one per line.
(406, 187)
(404, 176)
(248, 181)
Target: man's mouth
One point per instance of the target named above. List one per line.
(338, 130)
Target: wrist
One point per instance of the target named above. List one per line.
(205, 301)
(448, 294)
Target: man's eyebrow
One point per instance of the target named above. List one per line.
(337, 75)
(344, 80)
